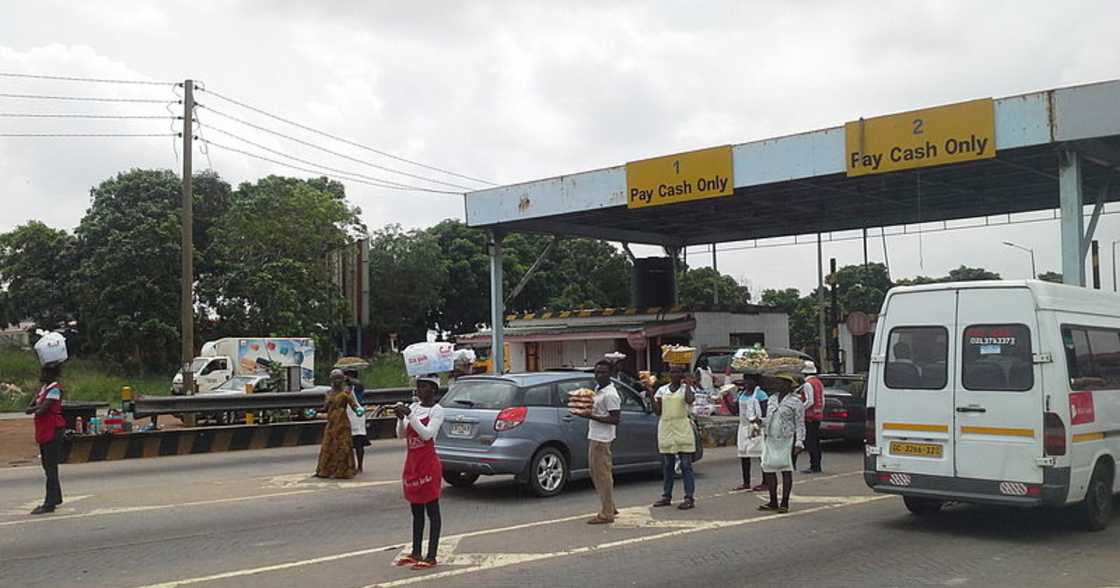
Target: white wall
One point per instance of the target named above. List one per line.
(713, 329)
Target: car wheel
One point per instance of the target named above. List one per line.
(548, 472)
(922, 506)
(1097, 508)
(460, 479)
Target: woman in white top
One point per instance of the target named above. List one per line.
(750, 431)
(423, 473)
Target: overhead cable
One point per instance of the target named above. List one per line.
(89, 116)
(83, 98)
(81, 79)
(330, 151)
(343, 140)
(339, 175)
(89, 134)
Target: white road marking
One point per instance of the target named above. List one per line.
(305, 481)
(397, 546)
(132, 509)
(513, 559)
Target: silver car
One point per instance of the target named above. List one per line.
(519, 425)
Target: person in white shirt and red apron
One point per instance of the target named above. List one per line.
(812, 398)
(49, 429)
(422, 478)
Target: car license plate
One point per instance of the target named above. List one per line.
(917, 449)
(460, 430)
(827, 426)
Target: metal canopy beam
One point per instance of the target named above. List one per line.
(1073, 222)
(497, 308)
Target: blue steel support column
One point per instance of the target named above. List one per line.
(1073, 220)
(497, 304)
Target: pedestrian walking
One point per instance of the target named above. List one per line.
(750, 438)
(49, 430)
(675, 440)
(813, 401)
(336, 454)
(606, 413)
(784, 435)
(358, 436)
(422, 477)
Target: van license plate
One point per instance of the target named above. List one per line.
(460, 429)
(918, 449)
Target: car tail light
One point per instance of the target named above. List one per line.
(869, 430)
(837, 414)
(510, 418)
(1054, 433)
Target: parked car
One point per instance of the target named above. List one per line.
(844, 407)
(519, 425)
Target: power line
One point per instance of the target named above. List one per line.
(89, 134)
(311, 163)
(335, 153)
(89, 116)
(81, 79)
(343, 140)
(83, 98)
(359, 179)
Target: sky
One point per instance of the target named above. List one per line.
(515, 91)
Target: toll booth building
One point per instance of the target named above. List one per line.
(575, 339)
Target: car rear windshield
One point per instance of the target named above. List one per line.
(997, 357)
(917, 358)
(484, 394)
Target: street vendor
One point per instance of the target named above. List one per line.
(784, 435)
(422, 478)
(750, 441)
(675, 439)
(49, 429)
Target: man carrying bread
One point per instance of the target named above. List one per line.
(606, 412)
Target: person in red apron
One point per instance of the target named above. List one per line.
(49, 429)
(422, 478)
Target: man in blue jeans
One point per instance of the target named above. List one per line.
(675, 440)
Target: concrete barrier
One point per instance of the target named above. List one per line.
(93, 448)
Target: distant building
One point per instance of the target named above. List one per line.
(579, 338)
(17, 335)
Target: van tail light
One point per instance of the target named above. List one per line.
(510, 418)
(1054, 433)
(869, 428)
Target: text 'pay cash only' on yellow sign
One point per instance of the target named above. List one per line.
(921, 138)
(694, 175)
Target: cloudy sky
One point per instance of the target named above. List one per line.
(513, 91)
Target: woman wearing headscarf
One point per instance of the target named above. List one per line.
(422, 477)
(784, 433)
(336, 455)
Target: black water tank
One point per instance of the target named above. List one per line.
(653, 282)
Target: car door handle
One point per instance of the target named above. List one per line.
(971, 409)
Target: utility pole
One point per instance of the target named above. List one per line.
(187, 302)
(715, 284)
(865, 258)
(835, 326)
(822, 344)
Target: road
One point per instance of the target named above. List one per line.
(257, 518)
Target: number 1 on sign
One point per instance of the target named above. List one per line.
(677, 166)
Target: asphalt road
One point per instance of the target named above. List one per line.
(257, 518)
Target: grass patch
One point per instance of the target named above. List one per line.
(83, 379)
(386, 370)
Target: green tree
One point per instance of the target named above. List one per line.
(37, 275)
(783, 300)
(802, 313)
(269, 256)
(698, 287)
(466, 293)
(407, 277)
(1055, 277)
(971, 274)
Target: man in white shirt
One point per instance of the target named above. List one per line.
(606, 412)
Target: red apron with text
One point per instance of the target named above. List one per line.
(423, 472)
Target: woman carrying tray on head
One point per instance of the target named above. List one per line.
(784, 433)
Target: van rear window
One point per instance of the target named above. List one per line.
(917, 358)
(997, 357)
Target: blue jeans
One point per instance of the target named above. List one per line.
(668, 473)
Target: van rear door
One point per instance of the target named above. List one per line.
(914, 399)
(999, 400)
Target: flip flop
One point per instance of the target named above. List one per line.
(599, 521)
(424, 565)
(407, 560)
(767, 508)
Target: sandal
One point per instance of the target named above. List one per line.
(688, 504)
(407, 560)
(741, 488)
(663, 502)
(424, 564)
(767, 507)
(783, 509)
(599, 521)
(760, 488)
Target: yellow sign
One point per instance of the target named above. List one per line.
(695, 175)
(921, 138)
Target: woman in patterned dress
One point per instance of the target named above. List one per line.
(336, 455)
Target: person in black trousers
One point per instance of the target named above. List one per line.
(49, 429)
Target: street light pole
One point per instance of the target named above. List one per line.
(1034, 271)
(1114, 265)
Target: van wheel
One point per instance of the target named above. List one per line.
(460, 479)
(548, 472)
(922, 507)
(1097, 508)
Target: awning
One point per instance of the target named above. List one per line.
(583, 333)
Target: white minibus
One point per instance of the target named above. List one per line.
(1001, 392)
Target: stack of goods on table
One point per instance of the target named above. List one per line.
(580, 401)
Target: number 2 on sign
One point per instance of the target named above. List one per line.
(677, 166)
(918, 126)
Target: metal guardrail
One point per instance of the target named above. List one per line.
(147, 406)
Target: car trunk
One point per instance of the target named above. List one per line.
(470, 409)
